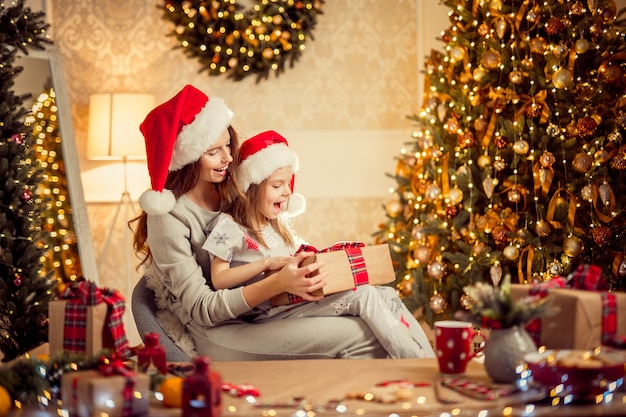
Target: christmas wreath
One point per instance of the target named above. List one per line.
(227, 39)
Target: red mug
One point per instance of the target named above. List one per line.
(454, 345)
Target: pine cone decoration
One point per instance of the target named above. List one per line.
(586, 126)
(499, 234)
(554, 26)
(601, 235)
(451, 211)
(466, 140)
(534, 110)
(619, 161)
(501, 142)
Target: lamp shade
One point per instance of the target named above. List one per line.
(114, 121)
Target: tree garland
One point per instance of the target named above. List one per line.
(229, 40)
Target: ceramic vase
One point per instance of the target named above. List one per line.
(504, 352)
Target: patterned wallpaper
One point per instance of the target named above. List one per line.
(359, 73)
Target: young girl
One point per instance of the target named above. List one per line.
(255, 239)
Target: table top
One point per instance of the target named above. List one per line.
(352, 387)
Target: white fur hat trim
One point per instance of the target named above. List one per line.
(155, 202)
(257, 167)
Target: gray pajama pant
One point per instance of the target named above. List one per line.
(378, 306)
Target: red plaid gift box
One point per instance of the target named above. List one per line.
(113, 390)
(87, 319)
(589, 316)
(349, 264)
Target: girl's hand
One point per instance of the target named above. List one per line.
(277, 262)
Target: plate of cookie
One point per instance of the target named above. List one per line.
(579, 374)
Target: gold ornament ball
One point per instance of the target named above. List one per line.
(562, 78)
(516, 76)
(528, 63)
(436, 269)
(479, 73)
(538, 45)
(5, 401)
(581, 46)
(511, 252)
(555, 268)
(587, 193)
(582, 163)
(484, 161)
(466, 301)
(437, 303)
(611, 74)
(491, 60)
(542, 228)
(572, 246)
(560, 50)
(393, 208)
(423, 254)
(455, 195)
(406, 288)
(457, 53)
(521, 147)
(602, 156)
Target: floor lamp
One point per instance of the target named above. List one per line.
(114, 135)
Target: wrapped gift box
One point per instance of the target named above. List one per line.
(578, 323)
(91, 394)
(98, 335)
(346, 271)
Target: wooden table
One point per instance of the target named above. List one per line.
(319, 382)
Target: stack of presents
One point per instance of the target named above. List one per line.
(91, 321)
(588, 315)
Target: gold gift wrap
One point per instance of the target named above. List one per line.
(98, 335)
(91, 394)
(578, 323)
(377, 259)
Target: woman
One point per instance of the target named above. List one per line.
(190, 148)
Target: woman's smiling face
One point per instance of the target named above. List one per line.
(215, 160)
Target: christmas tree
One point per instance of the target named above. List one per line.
(517, 165)
(24, 289)
(61, 257)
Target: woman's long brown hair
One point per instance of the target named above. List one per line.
(180, 182)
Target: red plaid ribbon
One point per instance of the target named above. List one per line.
(75, 318)
(587, 278)
(355, 257)
(115, 366)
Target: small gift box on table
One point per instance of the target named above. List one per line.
(588, 317)
(349, 264)
(113, 390)
(87, 319)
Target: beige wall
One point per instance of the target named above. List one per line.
(343, 106)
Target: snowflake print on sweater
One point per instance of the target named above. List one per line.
(340, 306)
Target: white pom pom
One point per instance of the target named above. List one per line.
(296, 205)
(155, 202)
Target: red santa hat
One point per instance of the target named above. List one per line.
(263, 154)
(177, 133)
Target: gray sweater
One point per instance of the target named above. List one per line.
(180, 263)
